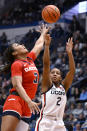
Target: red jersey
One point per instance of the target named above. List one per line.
(29, 73)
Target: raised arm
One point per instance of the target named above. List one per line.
(40, 42)
(46, 82)
(70, 75)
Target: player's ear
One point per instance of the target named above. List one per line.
(14, 53)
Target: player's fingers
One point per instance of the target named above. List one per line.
(42, 25)
(47, 35)
(38, 30)
(47, 30)
(69, 40)
(37, 108)
(33, 111)
(67, 43)
(50, 27)
(72, 39)
(46, 26)
(39, 27)
(38, 103)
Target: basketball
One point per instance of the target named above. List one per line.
(50, 14)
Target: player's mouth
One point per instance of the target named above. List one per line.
(54, 78)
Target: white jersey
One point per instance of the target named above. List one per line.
(53, 105)
(54, 101)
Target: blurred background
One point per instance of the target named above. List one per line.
(19, 20)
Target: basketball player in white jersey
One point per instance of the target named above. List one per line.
(54, 91)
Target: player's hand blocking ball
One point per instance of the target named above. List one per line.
(50, 14)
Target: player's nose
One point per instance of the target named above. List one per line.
(55, 74)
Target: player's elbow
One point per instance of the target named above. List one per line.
(73, 70)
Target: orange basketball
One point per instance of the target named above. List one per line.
(50, 14)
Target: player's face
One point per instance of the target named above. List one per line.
(55, 75)
(19, 49)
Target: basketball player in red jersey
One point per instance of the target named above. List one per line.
(25, 76)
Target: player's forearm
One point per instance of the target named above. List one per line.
(38, 45)
(21, 91)
(71, 63)
(40, 40)
(46, 56)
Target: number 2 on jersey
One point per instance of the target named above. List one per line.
(36, 78)
(58, 101)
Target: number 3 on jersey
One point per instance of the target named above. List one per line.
(36, 78)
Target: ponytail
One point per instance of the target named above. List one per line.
(8, 59)
(5, 68)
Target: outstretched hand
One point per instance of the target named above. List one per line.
(47, 39)
(69, 45)
(43, 29)
(34, 107)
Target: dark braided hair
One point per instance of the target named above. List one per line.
(8, 59)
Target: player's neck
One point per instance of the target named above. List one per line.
(57, 84)
(24, 57)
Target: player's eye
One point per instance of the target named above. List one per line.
(52, 72)
(16, 44)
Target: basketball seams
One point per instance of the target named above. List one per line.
(50, 14)
(55, 10)
(53, 13)
(45, 14)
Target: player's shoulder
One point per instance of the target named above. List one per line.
(62, 87)
(31, 55)
(46, 91)
(16, 63)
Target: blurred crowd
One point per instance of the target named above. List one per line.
(27, 11)
(75, 116)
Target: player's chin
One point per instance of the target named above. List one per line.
(25, 50)
(54, 80)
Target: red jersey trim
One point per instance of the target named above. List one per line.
(32, 55)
